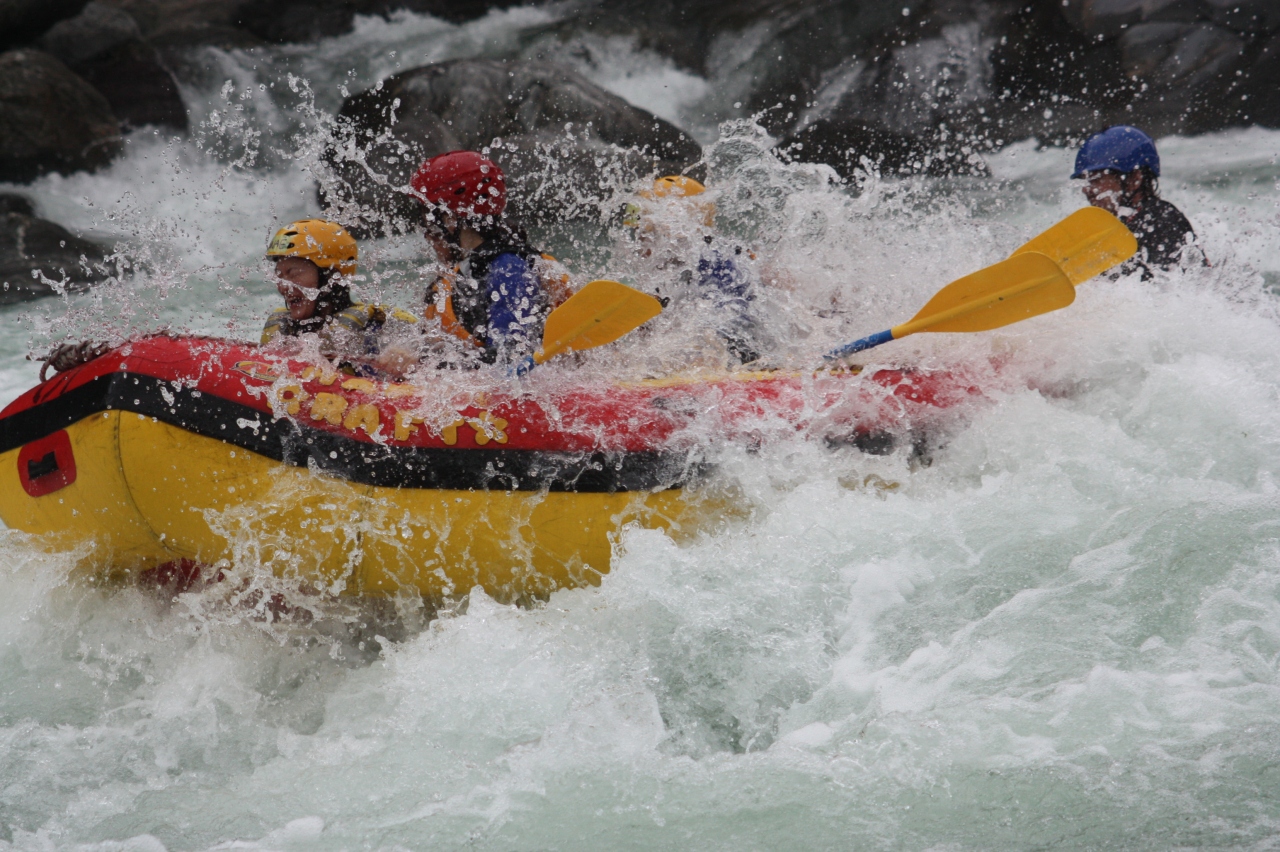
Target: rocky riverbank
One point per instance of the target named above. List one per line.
(920, 86)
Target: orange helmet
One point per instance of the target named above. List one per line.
(674, 186)
(326, 244)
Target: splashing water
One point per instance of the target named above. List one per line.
(1064, 632)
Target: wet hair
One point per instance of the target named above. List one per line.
(1150, 183)
(335, 296)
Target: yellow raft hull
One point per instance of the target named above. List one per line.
(148, 493)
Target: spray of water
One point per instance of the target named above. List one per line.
(1058, 629)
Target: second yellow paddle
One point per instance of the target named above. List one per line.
(1023, 286)
(1086, 243)
(599, 313)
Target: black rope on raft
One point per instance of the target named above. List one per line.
(71, 355)
(68, 356)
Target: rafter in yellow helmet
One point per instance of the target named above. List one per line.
(670, 186)
(674, 186)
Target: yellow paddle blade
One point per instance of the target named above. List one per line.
(1086, 243)
(1023, 286)
(599, 313)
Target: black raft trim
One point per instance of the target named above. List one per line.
(285, 440)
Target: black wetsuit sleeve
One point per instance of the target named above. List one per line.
(1162, 233)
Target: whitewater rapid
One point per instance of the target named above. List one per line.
(1064, 632)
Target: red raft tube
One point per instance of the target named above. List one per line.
(178, 451)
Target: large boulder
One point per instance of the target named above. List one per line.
(50, 119)
(853, 146)
(187, 23)
(34, 252)
(781, 46)
(1110, 18)
(1188, 70)
(98, 29)
(248, 23)
(963, 77)
(916, 106)
(1245, 16)
(564, 142)
(1173, 56)
(22, 21)
(104, 45)
(306, 20)
(1257, 96)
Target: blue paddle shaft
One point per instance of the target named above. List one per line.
(858, 345)
(523, 366)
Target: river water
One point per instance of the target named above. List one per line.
(1064, 632)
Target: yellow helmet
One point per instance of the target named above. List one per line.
(671, 186)
(326, 244)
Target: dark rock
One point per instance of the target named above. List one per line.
(22, 21)
(1245, 16)
(98, 29)
(103, 44)
(10, 203)
(919, 107)
(186, 23)
(32, 247)
(851, 146)
(1109, 18)
(561, 139)
(296, 21)
(137, 85)
(1188, 70)
(1179, 55)
(308, 20)
(1258, 96)
(50, 119)
(1041, 55)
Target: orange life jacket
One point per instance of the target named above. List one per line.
(552, 275)
(441, 308)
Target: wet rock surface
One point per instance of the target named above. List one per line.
(302, 20)
(104, 45)
(50, 118)
(33, 250)
(547, 126)
(953, 79)
(917, 86)
(22, 21)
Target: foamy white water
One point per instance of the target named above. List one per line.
(1064, 632)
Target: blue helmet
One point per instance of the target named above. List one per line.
(1121, 148)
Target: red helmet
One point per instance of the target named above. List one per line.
(464, 182)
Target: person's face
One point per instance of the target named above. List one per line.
(1108, 189)
(298, 282)
(438, 228)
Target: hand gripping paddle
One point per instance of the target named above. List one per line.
(1025, 285)
(599, 313)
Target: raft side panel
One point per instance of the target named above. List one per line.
(515, 545)
(359, 461)
(212, 500)
(96, 508)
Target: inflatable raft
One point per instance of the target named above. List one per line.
(173, 450)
